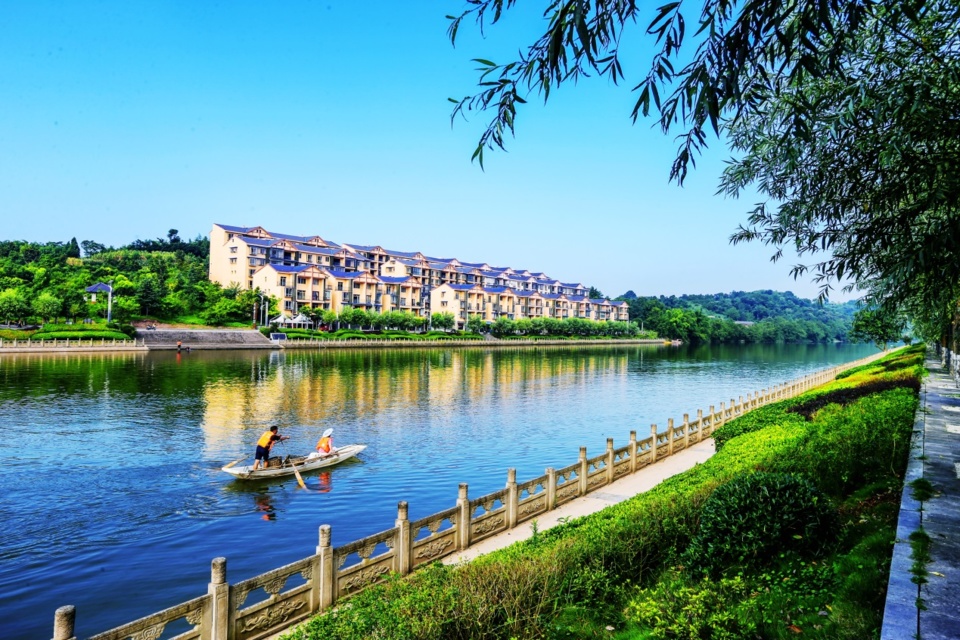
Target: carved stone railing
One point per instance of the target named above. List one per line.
(61, 344)
(319, 581)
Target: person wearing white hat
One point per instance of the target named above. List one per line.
(325, 445)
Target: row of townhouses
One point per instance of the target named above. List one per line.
(308, 271)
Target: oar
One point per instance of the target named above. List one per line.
(295, 470)
(227, 466)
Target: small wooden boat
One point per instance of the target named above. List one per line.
(279, 467)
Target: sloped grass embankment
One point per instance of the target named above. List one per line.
(786, 530)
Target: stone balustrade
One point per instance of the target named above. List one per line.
(332, 574)
(90, 344)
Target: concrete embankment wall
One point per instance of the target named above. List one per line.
(158, 339)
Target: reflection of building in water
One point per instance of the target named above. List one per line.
(332, 388)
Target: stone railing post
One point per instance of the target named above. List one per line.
(700, 423)
(327, 580)
(551, 489)
(686, 430)
(611, 458)
(513, 498)
(63, 622)
(669, 436)
(464, 518)
(584, 470)
(653, 443)
(403, 547)
(217, 625)
(632, 451)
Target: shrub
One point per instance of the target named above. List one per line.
(677, 608)
(754, 421)
(753, 517)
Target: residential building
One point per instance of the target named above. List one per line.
(310, 271)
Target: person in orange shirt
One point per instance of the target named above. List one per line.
(264, 444)
(325, 444)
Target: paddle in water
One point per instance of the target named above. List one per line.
(295, 470)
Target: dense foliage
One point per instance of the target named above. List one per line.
(44, 282)
(841, 114)
(621, 566)
(757, 316)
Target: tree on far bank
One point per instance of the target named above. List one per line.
(443, 321)
(46, 306)
(595, 294)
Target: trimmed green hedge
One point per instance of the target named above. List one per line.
(80, 335)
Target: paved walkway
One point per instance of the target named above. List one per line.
(626, 487)
(935, 457)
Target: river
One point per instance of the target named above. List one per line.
(115, 498)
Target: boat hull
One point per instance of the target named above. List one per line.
(303, 464)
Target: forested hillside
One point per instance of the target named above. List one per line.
(165, 278)
(756, 316)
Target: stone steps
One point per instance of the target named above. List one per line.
(205, 339)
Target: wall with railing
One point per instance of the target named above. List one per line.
(92, 344)
(306, 343)
(331, 574)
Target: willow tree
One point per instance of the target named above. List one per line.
(843, 115)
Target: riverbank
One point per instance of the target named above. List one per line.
(213, 339)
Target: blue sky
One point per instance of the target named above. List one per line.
(121, 120)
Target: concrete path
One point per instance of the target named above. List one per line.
(626, 487)
(936, 457)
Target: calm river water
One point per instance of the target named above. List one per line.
(115, 498)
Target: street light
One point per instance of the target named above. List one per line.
(109, 300)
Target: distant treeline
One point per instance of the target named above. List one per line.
(756, 316)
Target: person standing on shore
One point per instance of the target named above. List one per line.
(264, 444)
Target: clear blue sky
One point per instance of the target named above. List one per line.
(121, 120)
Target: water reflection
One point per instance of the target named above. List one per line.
(262, 502)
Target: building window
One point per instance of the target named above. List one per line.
(339, 286)
(233, 249)
(283, 281)
(301, 281)
(233, 261)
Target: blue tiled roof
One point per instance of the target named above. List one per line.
(551, 296)
(462, 287)
(577, 298)
(575, 285)
(498, 290)
(257, 242)
(405, 254)
(397, 279)
(232, 229)
(599, 301)
(285, 268)
(340, 273)
(363, 247)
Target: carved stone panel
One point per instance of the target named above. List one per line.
(272, 616)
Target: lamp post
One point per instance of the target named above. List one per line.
(264, 310)
(109, 300)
